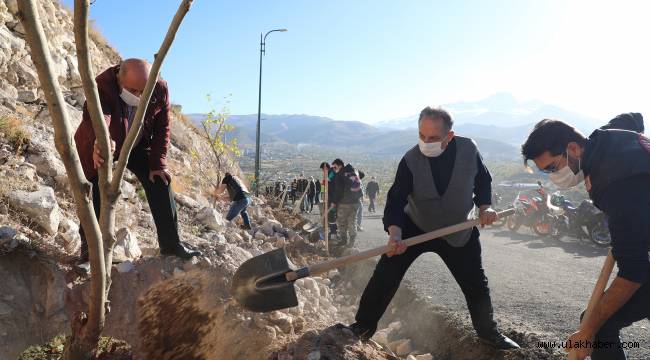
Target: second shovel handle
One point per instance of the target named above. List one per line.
(346, 260)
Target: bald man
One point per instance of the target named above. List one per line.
(120, 88)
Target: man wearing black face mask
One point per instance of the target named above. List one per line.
(615, 166)
(437, 184)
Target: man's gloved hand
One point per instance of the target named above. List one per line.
(97, 158)
(487, 215)
(164, 175)
(395, 243)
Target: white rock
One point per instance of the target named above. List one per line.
(424, 357)
(124, 267)
(401, 347)
(314, 355)
(210, 218)
(47, 165)
(178, 271)
(411, 357)
(381, 336)
(128, 190)
(40, 205)
(186, 201)
(260, 236)
(240, 255)
(27, 96)
(395, 325)
(282, 321)
(126, 247)
(312, 285)
(68, 236)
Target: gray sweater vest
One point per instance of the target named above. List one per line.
(430, 211)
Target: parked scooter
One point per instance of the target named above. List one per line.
(530, 212)
(585, 221)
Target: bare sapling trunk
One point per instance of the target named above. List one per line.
(100, 234)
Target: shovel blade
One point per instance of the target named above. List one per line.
(259, 284)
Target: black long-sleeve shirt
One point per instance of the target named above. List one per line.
(441, 169)
(627, 205)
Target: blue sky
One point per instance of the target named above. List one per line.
(376, 60)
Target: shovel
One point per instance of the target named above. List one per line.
(265, 283)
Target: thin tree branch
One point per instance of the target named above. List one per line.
(146, 94)
(64, 142)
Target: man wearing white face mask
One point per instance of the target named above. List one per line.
(119, 89)
(615, 167)
(438, 183)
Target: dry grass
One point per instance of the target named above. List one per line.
(12, 129)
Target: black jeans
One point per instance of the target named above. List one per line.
(608, 340)
(160, 198)
(371, 206)
(464, 264)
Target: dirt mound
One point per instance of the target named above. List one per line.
(436, 330)
(333, 343)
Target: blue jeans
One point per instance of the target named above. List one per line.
(239, 207)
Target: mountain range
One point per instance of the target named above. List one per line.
(498, 124)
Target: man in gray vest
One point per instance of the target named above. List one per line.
(437, 184)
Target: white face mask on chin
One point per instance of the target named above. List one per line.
(129, 98)
(565, 177)
(433, 149)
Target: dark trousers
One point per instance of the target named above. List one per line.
(371, 206)
(636, 309)
(160, 198)
(464, 264)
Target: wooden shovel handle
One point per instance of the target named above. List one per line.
(346, 260)
(596, 295)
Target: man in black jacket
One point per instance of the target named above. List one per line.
(347, 192)
(372, 190)
(615, 167)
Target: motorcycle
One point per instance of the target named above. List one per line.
(531, 212)
(585, 221)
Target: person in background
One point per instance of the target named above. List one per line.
(119, 89)
(293, 190)
(626, 121)
(329, 209)
(346, 201)
(317, 187)
(311, 193)
(360, 209)
(372, 190)
(239, 196)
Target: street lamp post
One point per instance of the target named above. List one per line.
(259, 112)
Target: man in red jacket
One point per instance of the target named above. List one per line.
(119, 89)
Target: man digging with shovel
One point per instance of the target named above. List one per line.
(437, 184)
(615, 167)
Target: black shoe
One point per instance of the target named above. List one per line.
(181, 252)
(364, 333)
(500, 341)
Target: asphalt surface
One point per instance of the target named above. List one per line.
(537, 284)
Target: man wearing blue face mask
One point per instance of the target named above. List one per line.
(438, 183)
(615, 167)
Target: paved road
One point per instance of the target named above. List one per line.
(537, 285)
